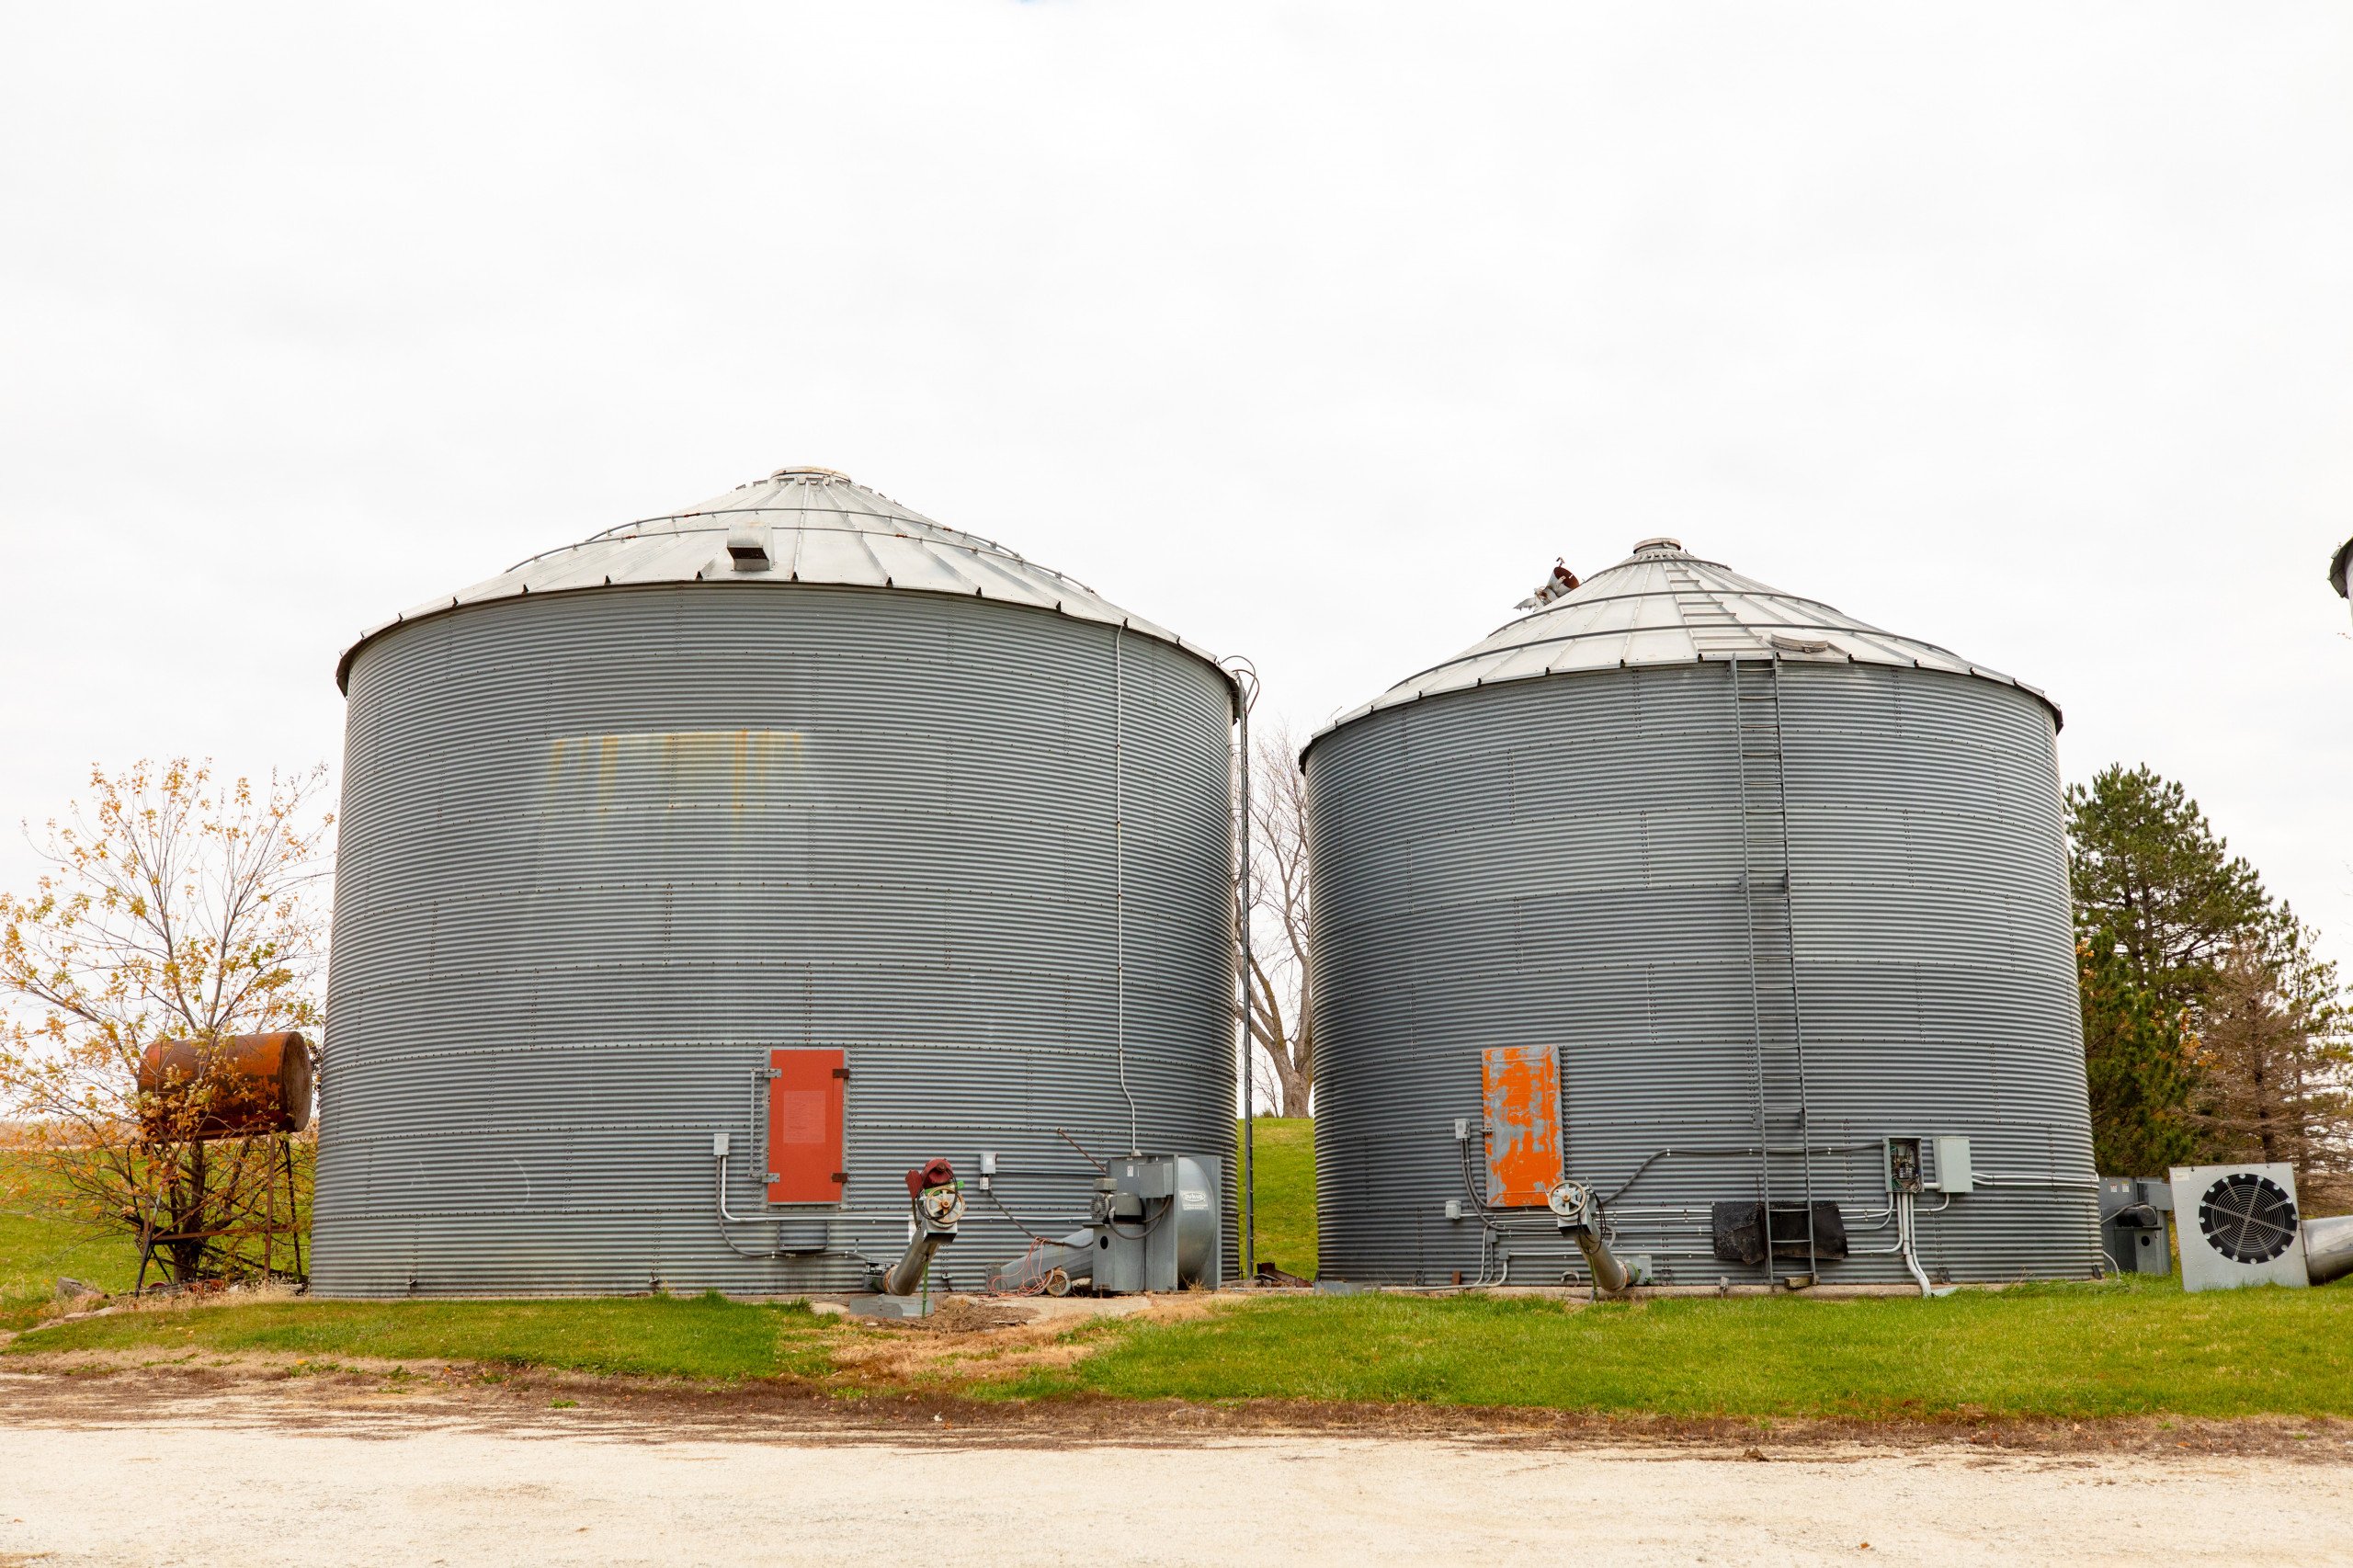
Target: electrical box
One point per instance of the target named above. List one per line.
(804, 1144)
(1904, 1165)
(2132, 1223)
(1521, 1087)
(1954, 1173)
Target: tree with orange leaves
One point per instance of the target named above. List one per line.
(175, 906)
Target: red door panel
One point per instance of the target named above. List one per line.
(805, 1126)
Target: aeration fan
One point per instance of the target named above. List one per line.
(2239, 1225)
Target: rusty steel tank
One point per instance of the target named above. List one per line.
(245, 1086)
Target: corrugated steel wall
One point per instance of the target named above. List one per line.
(1561, 862)
(601, 851)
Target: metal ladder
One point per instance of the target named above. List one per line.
(1784, 1137)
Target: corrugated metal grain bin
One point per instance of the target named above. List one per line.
(1760, 888)
(793, 810)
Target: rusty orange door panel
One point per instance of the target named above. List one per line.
(805, 1126)
(1522, 1088)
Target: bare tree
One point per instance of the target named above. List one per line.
(176, 907)
(2275, 1064)
(1282, 1023)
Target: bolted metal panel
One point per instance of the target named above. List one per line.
(1664, 605)
(799, 525)
(1790, 904)
(603, 851)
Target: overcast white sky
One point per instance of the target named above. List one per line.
(1312, 331)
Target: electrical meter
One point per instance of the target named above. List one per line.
(1903, 1165)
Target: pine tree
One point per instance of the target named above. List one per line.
(2212, 1031)
(2159, 899)
(2139, 1063)
(2150, 874)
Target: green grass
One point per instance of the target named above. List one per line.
(37, 1246)
(1285, 1147)
(2065, 1351)
(693, 1336)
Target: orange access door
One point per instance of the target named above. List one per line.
(1521, 1086)
(805, 1126)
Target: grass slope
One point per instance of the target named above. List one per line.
(2068, 1351)
(693, 1336)
(37, 1246)
(1285, 1147)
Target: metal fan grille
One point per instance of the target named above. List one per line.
(2247, 1218)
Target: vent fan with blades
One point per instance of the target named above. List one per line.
(2247, 1218)
(2247, 1230)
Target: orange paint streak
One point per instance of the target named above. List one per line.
(1521, 1086)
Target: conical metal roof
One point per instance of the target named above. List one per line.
(811, 525)
(1664, 605)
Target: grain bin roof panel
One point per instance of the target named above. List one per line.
(821, 530)
(1664, 605)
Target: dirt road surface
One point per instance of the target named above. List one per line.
(99, 1471)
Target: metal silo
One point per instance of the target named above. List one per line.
(1721, 903)
(792, 835)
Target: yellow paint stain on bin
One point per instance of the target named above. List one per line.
(677, 770)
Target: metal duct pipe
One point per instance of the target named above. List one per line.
(906, 1275)
(1572, 1202)
(939, 1204)
(1050, 1266)
(2328, 1249)
(1609, 1276)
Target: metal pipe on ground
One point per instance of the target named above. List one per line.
(2328, 1249)
(1050, 1266)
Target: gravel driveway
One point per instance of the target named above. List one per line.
(265, 1475)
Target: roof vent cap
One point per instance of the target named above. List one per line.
(747, 547)
(1659, 546)
(805, 474)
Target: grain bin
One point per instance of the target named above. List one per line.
(792, 825)
(1749, 918)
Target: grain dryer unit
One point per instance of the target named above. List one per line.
(700, 881)
(2240, 1225)
(1748, 918)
